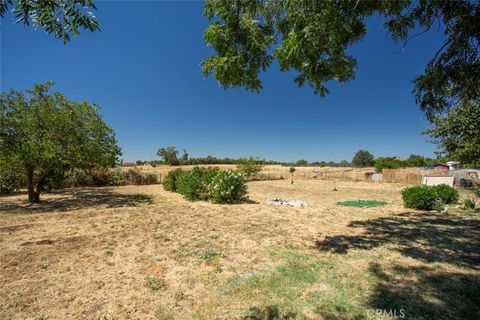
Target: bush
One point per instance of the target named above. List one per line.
(419, 197)
(207, 184)
(117, 177)
(439, 207)
(108, 177)
(477, 191)
(134, 176)
(228, 187)
(193, 184)
(446, 193)
(151, 178)
(209, 176)
(93, 177)
(469, 204)
(170, 180)
(99, 177)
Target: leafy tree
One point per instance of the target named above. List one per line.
(292, 171)
(312, 38)
(344, 163)
(458, 133)
(323, 164)
(249, 167)
(185, 157)
(363, 158)
(12, 177)
(301, 163)
(62, 18)
(415, 160)
(169, 155)
(47, 135)
(387, 163)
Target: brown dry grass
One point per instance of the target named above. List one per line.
(276, 171)
(139, 252)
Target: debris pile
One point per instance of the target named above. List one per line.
(287, 202)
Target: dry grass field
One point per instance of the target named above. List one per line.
(139, 252)
(275, 172)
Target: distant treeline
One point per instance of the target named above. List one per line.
(362, 158)
(199, 161)
(170, 156)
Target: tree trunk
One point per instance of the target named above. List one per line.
(32, 195)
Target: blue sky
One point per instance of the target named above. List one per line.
(143, 68)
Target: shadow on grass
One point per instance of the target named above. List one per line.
(425, 293)
(74, 199)
(268, 313)
(249, 201)
(428, 291)
(428, 237)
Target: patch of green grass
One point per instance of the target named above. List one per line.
(208, 254)
(302, 284)
(154, 283)
(362, 203)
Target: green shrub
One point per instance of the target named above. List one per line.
(210, 184)
(208, 176)
(419, 197)
(469, 204)
(191, 184)
(117, 177)
(170, 180)
(439, 207)
(446, 193)
(228, 187)
(477, 191)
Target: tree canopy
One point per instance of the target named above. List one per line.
(62, 18)
(48, 134)
(249, 166)
(363, 158)
(312, 38)
(169, 155)
(388, 163)
(458, 133)
(301, 162)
